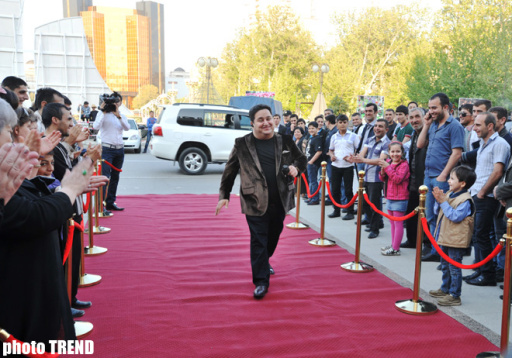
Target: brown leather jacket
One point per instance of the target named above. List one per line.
(253, 186)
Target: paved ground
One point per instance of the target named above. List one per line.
(481, 308)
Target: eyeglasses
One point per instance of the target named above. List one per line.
(463, 114)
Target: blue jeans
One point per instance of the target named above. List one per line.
(313, 182)
(484, 221)
(500, 228)
(148, 138)
(116, 158)
(431, 183)
(452, 275)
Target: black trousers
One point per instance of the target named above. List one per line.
(345, 175)
(265, 231)
(412, 223)
(374, 191)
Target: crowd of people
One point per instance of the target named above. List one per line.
(45, 169)
(464, 162)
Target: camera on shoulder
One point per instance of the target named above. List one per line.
(110, 101)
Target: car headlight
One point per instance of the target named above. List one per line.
(134, 137)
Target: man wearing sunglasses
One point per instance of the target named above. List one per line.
(468, 122)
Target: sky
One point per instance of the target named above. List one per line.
(195, 28)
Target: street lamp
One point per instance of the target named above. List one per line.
(209, 62)
(324, 68)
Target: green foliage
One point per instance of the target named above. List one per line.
(146, 94)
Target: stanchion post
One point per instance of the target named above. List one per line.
(356, 265)
(92, 250)
(505, 316)
(297, 225)
(102, 211)
(97, 228)
(415, 306)
(322, 242)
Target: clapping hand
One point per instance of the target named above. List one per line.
(439, 195)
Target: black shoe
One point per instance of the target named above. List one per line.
(114, 207)
(328, 203)
(260, 292)
(381, 225)
(373, 234)
(344, 211)
(334, 214)
(106, 212)
(349, 216)
(426, 250)
(431, 258)
(472, 276)
(438, 268)
(80, 305)
(77, 313)
(482, 281)
(272, 272)
(499, 275)
(368, 229)
(407, 245)
(313, 203)
(365, 222)
(502, 286)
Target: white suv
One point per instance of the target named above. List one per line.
(197, 134)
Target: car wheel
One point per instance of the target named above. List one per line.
(193, 161)
(137, 150)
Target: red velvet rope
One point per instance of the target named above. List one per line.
(69, 242)
(394, 218)
(13, 340)
(339, 205)
(307, 187)
(492, 255)
(99, 168)
(295, 181)
(110, 165)
(86, 204)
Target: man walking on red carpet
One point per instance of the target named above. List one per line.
(267, 162)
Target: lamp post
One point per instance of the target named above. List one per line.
(324, 68)
(209, 62)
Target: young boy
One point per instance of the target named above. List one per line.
(314, 153)
(453, 231)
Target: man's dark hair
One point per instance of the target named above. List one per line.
(500, 112)
(319, 116)
(485, 102)
(390, 110)
(276, 114)
(329, 109)
(45, 94)
(331, 118)
(342, 118)
(67, 101)
(416, 103)
(25, 115)
(489, 118)
(86, 102)
(465, 174)
(467, 106)
(11, 98)
(402, 109)
(52, 110)
(294, 116)
(13, 82)
(383, 121)
(299, 129)
(356, 114)
(314, 124)
(375, 108)
(255, 109)
(301, 120)
(443, 98)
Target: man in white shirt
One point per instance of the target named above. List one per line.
(111, 124)
(343, 144)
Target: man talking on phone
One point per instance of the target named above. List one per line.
(445, 138)
(267, 162)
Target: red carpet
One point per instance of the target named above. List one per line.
(177, 283)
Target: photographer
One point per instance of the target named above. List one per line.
(111, 124)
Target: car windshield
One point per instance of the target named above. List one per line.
(133, 125)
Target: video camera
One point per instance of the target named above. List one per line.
(110, 101)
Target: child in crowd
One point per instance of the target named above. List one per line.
(314, 153)
(453, 231)
(395, 174)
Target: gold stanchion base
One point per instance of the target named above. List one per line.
(322, 242)
(297, 226)
(357, 267)
(89, 280)
(102, 215)
(99, 230)
(83, 329)
(489, 355)
(94, 251)
(419, 308)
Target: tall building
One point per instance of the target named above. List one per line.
(155, 12)
(72, 8)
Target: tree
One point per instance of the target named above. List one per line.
(275, 54)
(146, 94)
